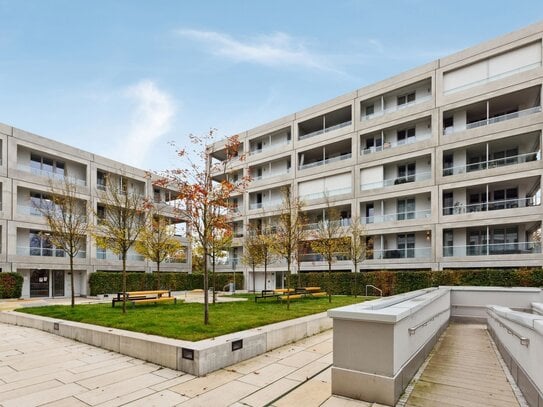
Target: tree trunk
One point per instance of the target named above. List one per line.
(355, 283)
(265, 274)
(158, 275)
(288, 284)
(124, 282)
(254, 279)
(214, 279)
(72, 279)
(330, 280)
(206, 287)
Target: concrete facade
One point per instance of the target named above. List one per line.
(30, 165)
(441, 164)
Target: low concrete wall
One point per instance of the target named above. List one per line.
(197, 358)
(519, 338)
(392, 338)
(468, 304)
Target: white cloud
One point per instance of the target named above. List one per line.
(151, 118)
(277, 50)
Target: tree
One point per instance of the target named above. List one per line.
(157, 242)
(252, 252)
(121, 223)
(205, 201)
(357, 247)
(289, 232)
(66, 216)
(329, 240)
(221, 241)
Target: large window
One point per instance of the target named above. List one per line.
(406, 245)
(406, 173)
(404, 99)
(40, 245)
(406, 209)
(406, 135)
(39, 164)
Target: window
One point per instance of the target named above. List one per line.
(100, 213)
(100, 253)
(370, 110)
(405, 209)
(40, 245)
(448, 163)
(406, 173)
(369, 213)
(39, 164)
(404, 99)
(101, 180)
(406, 245)
(448, 242)
(40, 201)
(406, 135)
(448, 203)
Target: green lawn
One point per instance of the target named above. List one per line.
(185, 321)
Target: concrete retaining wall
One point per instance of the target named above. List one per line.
(207, 355)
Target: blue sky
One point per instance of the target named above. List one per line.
(123, 78)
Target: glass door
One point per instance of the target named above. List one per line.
(39, 283)
(58, 283)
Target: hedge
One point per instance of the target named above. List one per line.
(397, 282)
(111, 282)
(11, 285)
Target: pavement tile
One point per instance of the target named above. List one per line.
(267, 375)
(336, 401)
(269, 393)
(45, 396)
(22, 391)
(300, 359)
(306, 372)
(126, 398)
(39, 371)
(67, 402)
(162, 398)
(221, 396)
(168, 373)
(172, 382)
(250, 365)
(116, 376)
(200, 385)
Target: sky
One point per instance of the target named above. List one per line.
(126, 78)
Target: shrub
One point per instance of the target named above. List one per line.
(11, 285)
(103, 282)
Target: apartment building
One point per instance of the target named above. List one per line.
(29, 165)
(441, 164)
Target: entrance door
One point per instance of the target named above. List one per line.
(58, 283)
(39, 283)
(278, 279)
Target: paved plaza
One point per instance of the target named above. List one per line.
(38, 368)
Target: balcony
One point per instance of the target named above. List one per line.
(393, 144)
(316, 257)
(270, 174)
(46, 252)
(101, 255)
(398, 216)
(496, 110)
(270, 147)
(399, 253)
(492, 249)
(327, 161)
(326, 123)
(326, 194)
(421, 176)
(396, 108)
(266, 205)
(495, 163)
(51, 175)
(346, 222)
(461, 208)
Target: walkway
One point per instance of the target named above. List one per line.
(463, 371)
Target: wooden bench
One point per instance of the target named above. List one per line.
(291, 297)
(319, 294)
(143, 297)
(266, 294)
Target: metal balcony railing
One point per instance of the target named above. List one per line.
(498, 162)
(325, 162)
(387, 144)
(420, 176)
(492, 249)
(325, 130)
(461, 207)
(395, 108)
(398, 216)
(399, 253)
(492, 120)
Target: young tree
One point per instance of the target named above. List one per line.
(205, 201)
(157, 241)
(289, 232)
(66, 216)
(221, 241)
(357, 247)
(328, 240)
(252, 252)
(122, 222)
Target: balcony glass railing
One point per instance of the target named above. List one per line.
(316, 257)
(317, 225)
(326, 194)
(492, 120)
(421, 176)
(265, 205)
(401, 253)
(45, 252)
(269, 147)
(325, 130)
(492, 249)
(395, 108)
(117, 257)
(461, 207)
(499, 162)
(271, 175)
(386, 145)
(325, 162)
(398, 216)
(51, 175)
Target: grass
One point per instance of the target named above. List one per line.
(185, 320)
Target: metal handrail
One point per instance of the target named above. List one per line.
(375, 288)
(413, 329)
(523, 340)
